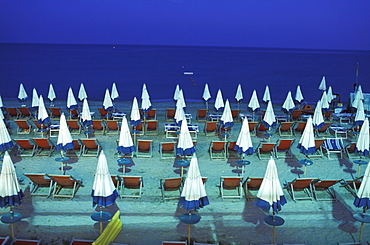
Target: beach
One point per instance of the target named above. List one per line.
(150, 220)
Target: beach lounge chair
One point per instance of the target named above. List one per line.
(98, 127)
(286, 128)
(296, 115)
(218, 150)
(167, 150)
(81, 242)
(170, 114)
(73, 114)
(303, 184)
(308, 110)
(76, 151)
(55, 112)
(104, 114)
(352, 186)
(151, 127)
(210, 128)
(139, 129)
(18, 241)
(318, 147)
(45, 147)
(12, 112)
(40, 128)
(252, 184)
(231, 152)
(202, 115)
(117, 181)
(266, 149)
(334, 145)
(23, 126)
(235, 113)
(25, 147)
(132, 182)
(283, 148)
(170, 184)
(324, 185)
(112, 127)
(74, 126)
(5, 240)
(350, 151)
(231, 183)
(90, 147)
(324, 130)
(25, 112)
(299, 128)
(40, 181)
(62, 182)
(174, 243)
(252, 128)
(261, 128)
(152, 114)
(144, 148)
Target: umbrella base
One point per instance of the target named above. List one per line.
(274, 220)
(190, 218)
(101, 216)
(364, 218)
(11, 218)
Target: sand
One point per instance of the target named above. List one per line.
(150, 220)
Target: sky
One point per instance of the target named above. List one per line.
(313, 24)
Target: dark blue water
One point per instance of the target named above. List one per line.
(162, 67)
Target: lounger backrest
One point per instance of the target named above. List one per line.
(302, 183)
(24, 143)
(267, 147)
(218, 145)
(43, 143)
(152, 125)
(132, 181)
(262, 127)
(172, 183)
(325, 183)
(55, 111)
(25, 111)
(232, 145)
(38, 179)
(73, 124)
(97, 124)
(202, 113)
(22, 124)
(351, 148)
(318, 143)
(170, 112)
(112, 124)
(285, 126)
(231, 182)
(254, 183)
(300, 126)
(284, 144)
(168, 146)
(211, 126)
(144, 145)
(324, 128)
(90, 143)
(63, 180)
(252, 126)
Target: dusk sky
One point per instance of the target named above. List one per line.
(328, 24)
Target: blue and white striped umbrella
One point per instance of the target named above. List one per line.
(10, 193)
(219, 102)
(114, 93)
(65, 141)
(288, 105)
(71, 101)
(244, 141)
(104, 192)
(185, 144)
(318, 119)
(307, 142)
(125, 144)
(362, 145)
(193, 195)
(107, 103)
(22, 94)
(360, 114)
(5, 140)
(146, 105)
(227, 118)
(270, 194)
(135, 113)
(253, 103)
(42, 116)
(86, 115)
(363, 195)
(82, 93)
(269, 119)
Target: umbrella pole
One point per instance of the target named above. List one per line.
(207, 105)
(253, 116)
(100, 222)
(135, 134)
(189, 228)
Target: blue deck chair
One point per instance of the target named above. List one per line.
(334, 145)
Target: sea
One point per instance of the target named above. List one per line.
(161, 68)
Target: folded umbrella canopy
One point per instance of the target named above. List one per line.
(239, 93)
(226, 119)
(322, 85)
(135, 113)
(82, 93)
(104, 192)
(244, 142)
(253, 103)
(360, 114)
(318, 119)
(266, 95)
(358, 96)
(298, 94)
(363, 194)
(269, 119)
(71, 101)
(51, 93)
(179, 115)
(86, 116)
(146, 105)
(42, 116)
(181, 100)
(329, 95)
(288, 105)
(5, 141)
(206, 94)
(362, 145)
(114, 93)
(125, 144)
(65, 141)
(185, 144)
(219, 102)
(22, 95)
(307, 142)
(176, 94)
(35, 98)
(107, 103)
(324, 102)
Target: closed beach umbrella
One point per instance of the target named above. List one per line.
(5, 140)
(219, 102)
(125, 144)
(42, 116)
(82, 93)
(269, 118)
(362, 145)
(104, 192)
(318, 119)
(307, 142)
(114, 94)
(1, 102)
(86, 115)
(322, 85)
(360, 114)
(324, 102)
(10, 193)
(71, 101)
(288, 105)
(176, 94)
(266, 95)
(206, 94)
(135, 113)
(298, 95)
(107, 103)
(35, 98)
(146, 105)
(51, 93)
(22, 95)
(358, 96)
(193, 195)
(329, 95)
(226, 118)
(244, 142)
(253, 103)
(239, 93)
(65, 141)
(179, 115)
(185, 144)
(181, 100)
